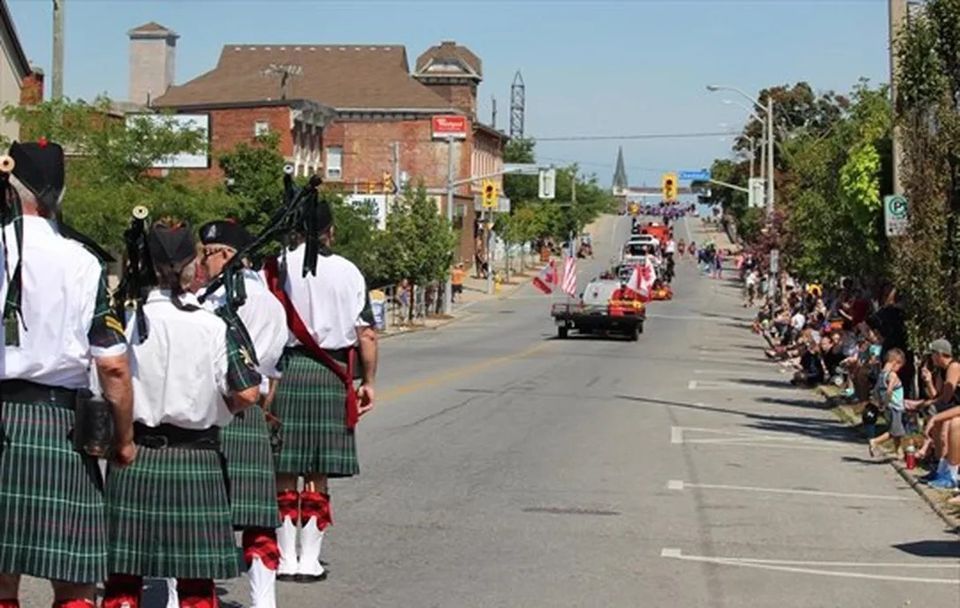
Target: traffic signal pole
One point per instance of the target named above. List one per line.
(448, 287)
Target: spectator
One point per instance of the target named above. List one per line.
(457, 275)
(890, 322)
(889, 394)
(751, 286)
(811, 371)
(941, 406)
(718, 264)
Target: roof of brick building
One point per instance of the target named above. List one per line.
(345, 77)
(449, 58)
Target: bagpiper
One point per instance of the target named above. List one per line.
(57, 320)
(247, 441)
(169, 513)
(332, 344)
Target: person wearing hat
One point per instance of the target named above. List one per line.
(331, 337)
(57, 322)
(942, 407)
(169, 513)
(247, 440)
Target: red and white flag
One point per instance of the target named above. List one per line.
(568, 280)
(642, 277)
(547, 278)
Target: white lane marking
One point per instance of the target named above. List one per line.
(751, 439)
(675, 484)
(692, 385)
(778, 446)
(791, 566)
(676, 434)
(716, 385)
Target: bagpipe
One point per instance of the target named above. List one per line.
(11, 212)
(138, 274)
(302, 213)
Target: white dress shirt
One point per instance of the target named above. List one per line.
(265, 320)
(180, 370)
(330, 302)
(60, 281)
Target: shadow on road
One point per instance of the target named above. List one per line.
(824, 430)
(931, 548)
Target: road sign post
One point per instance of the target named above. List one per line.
(896, 214)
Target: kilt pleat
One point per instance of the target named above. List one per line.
(310, 405)
(52, 520)
(250, 467)
(169, 516)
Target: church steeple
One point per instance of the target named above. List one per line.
(620, 182)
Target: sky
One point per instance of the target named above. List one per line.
(591, 68)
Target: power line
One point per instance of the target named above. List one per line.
(640, 136)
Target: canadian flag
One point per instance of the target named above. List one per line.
(546, 279)
(642, 278)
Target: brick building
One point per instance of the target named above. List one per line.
(351, 113)
(19, 83)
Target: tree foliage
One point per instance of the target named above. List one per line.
(254, 177)
(925, 260)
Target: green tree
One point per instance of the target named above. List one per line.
(109, 165)
(254, 178)
(925, 260)
(418, 243)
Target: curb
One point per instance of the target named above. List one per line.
(933, 499)
(505, 294)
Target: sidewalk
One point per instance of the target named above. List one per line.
(704, 232)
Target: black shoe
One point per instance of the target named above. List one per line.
(288, 578)
(305, 578)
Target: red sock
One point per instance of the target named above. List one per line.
(197, 593)
(316, 504)
(287, 504)
(122, 588)
(262, 543)
(74, 603)
(10, 603)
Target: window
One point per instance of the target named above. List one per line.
(261, 128)
(334, 164)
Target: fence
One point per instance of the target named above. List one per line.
(408, 305)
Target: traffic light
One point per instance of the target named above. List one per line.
(388, 186)
(489, 194)
(668, 184)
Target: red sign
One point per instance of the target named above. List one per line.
(450, 125)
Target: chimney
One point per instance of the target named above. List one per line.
(153, 50)
(453, 72)
(31, 91)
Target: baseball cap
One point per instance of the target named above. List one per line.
(941, 346)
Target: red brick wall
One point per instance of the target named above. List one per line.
(461, 96)
(231, 126)
(31, 92)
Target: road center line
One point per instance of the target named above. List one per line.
(453, 374)
(676, 484)
(788, 566)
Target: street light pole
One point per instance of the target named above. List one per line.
(770, 177)
(448, 286)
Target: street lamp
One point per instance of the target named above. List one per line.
(768, 110)
(763, 138)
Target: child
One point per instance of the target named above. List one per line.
(889, 391)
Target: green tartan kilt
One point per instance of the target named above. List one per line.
(169, 516)
(310, 403)
(253, 483)
(52, 521)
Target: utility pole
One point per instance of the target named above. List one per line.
(898, 16)
(57, 85)
(448, 288)
(396, 165)
(770, 140)
(493, 117)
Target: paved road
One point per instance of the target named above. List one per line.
(504, 467)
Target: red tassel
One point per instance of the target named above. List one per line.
(74, 603)
(262, 543)
(197, 593)
(287, 504)
(122, 589)
(316, 504)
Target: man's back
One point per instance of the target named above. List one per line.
(60, 282)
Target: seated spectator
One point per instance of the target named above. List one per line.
(942, 408)
(811, 370)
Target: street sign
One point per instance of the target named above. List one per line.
(449, 125)
(756, 188)
(548, 184)
(774, 261)
(503, 205)
(700, 175)
(896, 214)
(378, 203)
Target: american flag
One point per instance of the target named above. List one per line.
(568, 280)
